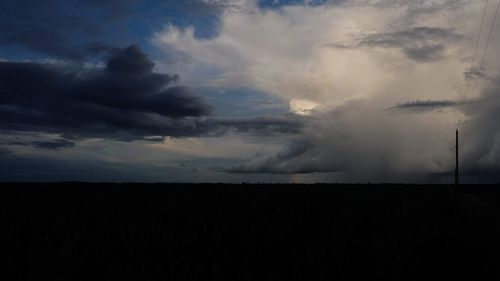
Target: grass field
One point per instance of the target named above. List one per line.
(76, 231)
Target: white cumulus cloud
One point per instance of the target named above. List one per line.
(343, 64)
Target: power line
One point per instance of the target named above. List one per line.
(487, 42)
(485, 49)
(478, 37)
(479, 34)
(478, 75)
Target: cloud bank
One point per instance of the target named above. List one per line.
(126, 100)
(353, 59)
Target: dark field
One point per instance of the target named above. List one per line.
(248, 232)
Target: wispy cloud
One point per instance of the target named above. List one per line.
(421, 44)
(427, 105)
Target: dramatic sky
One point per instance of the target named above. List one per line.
(249, 90)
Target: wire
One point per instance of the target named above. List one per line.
(479, 34)
(487, 42)
(478, 37)
(485, 49)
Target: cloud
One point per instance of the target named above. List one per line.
(129, 61)
(261, 125)
(50, 30)
(245, 52)
(421, 44)
(292, 52)
(4, 152)
(125, 100)
(287, 51)
(229, 5)
(283, 162)
(427, 105)
(410, 36)
(361, 147)
(480, 135)
(54, 144)
(411, 148)
(124, 97)
(73, 30)
(126, 84)
(411, 12)
(474, 73)
(430, 53)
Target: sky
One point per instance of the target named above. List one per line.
(253, 91)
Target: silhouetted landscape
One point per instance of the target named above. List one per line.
(79, 231)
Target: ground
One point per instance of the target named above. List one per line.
(76, 231)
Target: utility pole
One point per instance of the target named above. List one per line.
(456, 157)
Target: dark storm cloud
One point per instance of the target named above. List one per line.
(125, 100)
(55, 144)
(129, 61)
(125, 96)
(126, 84)
(286, 161)
(427, 105)
(421, 44)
